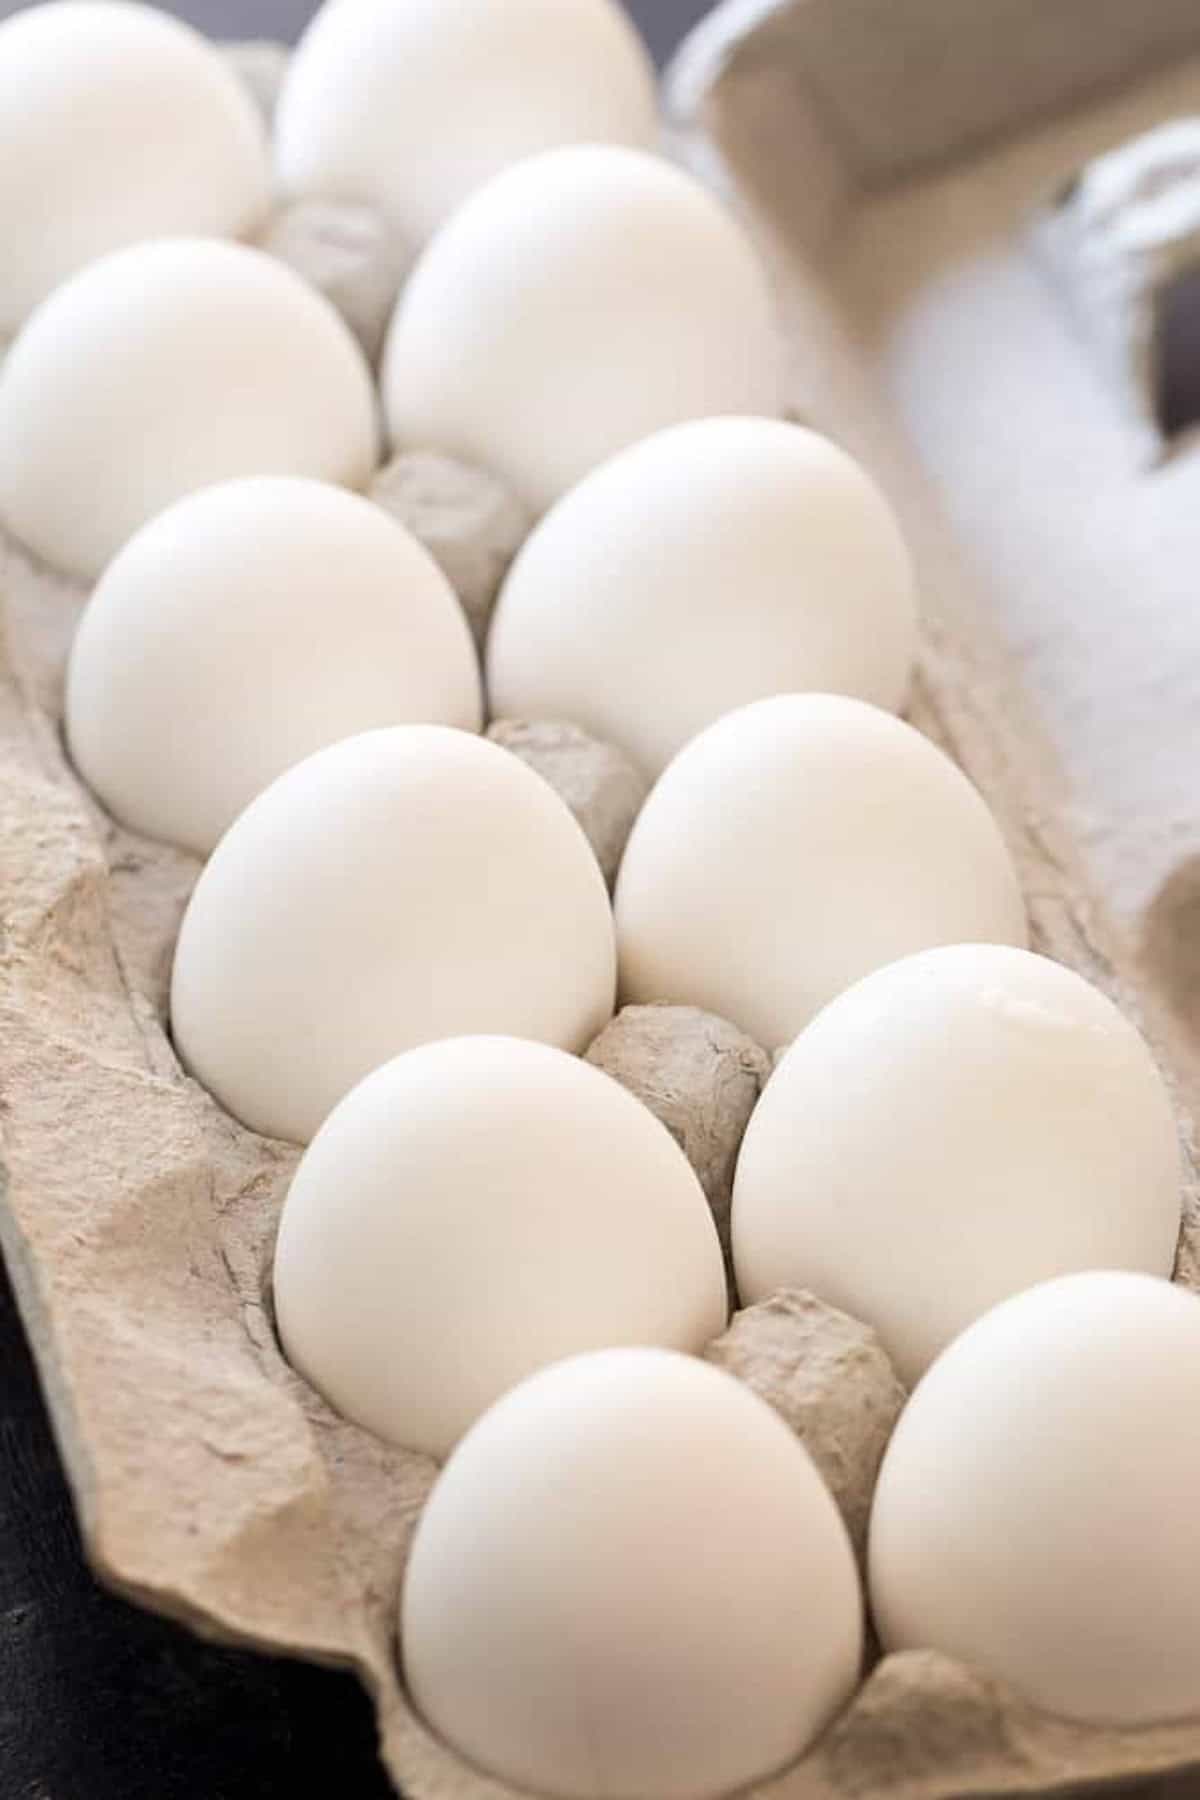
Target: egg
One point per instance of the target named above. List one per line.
(792, 847)
(950, 1130)
(715, 563)
(472, 1211)
(409, 105)
(245, 627)
(164, 368)
(629, 1580)
(406, 884)
(118, 124)
(577, 302)
(1038, 1509)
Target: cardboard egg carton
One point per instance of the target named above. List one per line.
(137, 1218)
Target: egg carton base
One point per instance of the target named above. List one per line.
(137, 1219)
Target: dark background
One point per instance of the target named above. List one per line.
(99, 1701)
(663, 22)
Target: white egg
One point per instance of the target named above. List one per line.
(161, 369)
(118, 124)
(1038, 1509)
(630, 1580)
(950, 1130)
(404, 885)
(472, 1211)
(796, 845)
(245, 627)
(409, 105)
(713, 564)
(579, 301)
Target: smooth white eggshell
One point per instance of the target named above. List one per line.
(245, 627)
(631, 1581)
(118, 124)
(715, 563)
(579, 301)
(409, 105)
(472, 1211)
(794, 846)
(953, 1128)
(162, 369)
(404, 885)
(1038, 1510)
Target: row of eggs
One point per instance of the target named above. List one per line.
(629, 1578)
(712, 564)
(408, 108)
(537, 336)
(568, 303)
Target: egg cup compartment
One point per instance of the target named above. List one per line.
(137, 1218)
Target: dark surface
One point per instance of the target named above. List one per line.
(99, 1701)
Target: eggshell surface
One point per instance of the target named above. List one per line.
(164, 368)
(716, 563)
(1038, 1509)
(630, 1580)
(410, 105)
(794, 846)
(952, 1129)
(118, 124)
(247, 626)
(574, 304)
(492, 1205)
(404, 885)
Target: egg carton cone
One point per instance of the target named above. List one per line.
(137, 1218)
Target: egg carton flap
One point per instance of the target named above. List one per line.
(900, 88)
